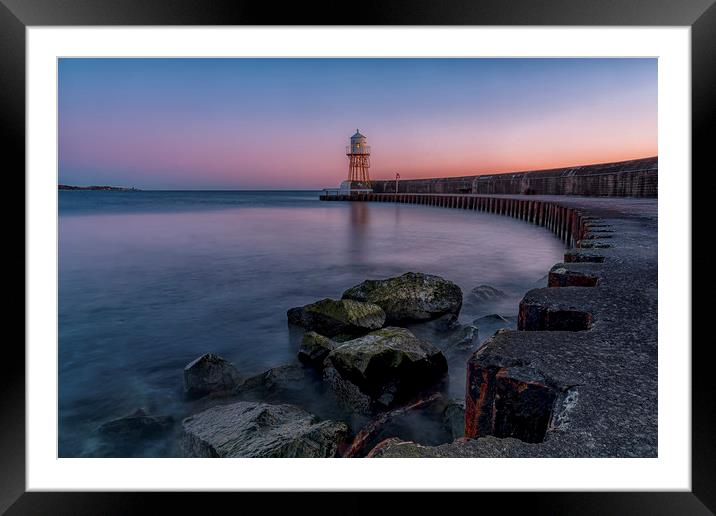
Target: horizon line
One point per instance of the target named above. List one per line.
(524, 171)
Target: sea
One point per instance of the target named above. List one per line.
(150, 280)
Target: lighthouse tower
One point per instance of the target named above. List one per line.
(359, 161)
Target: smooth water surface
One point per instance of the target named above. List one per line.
(150, 280)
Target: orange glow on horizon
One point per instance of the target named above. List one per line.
(510, 167)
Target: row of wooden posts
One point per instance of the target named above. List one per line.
(567, 223)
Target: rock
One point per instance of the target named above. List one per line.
(388, 365)
(485, 293)
(330, 317)
(248, 429)
(491, 319)
(490, 324)
(294, 383)
(139, 424)
(283, 380)
(445, 323)
(346, 393)
(315, 348)
(393, 447)
(209, 374)
(413, 296)
(454, 418)
(462, 339)
(486, 447)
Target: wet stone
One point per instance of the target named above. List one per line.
(136, 425)
(386, 366)
(248, 429)
(315, 348)
(454, 418)
(485, 293)
(332, 317)
(209, 374)
(414, 296)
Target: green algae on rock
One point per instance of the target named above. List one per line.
(332, 317)
(414, 296)
(315, 348)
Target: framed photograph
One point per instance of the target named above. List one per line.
(412, 247)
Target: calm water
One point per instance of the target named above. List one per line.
(150, 280)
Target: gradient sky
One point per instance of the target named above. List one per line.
(284, 123)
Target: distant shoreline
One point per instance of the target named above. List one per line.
(99, 187)
(220, 190)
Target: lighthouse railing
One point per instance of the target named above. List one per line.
(352, 149)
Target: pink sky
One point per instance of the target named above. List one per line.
(274, 123)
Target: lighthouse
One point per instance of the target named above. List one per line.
(358, 181)
(358, 162)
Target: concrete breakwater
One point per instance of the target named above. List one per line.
(633, 178)
(579, 376)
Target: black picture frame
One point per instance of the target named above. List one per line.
(16, 15)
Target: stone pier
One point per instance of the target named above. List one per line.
(578, 378)
(632, 178)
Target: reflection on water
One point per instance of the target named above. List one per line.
(150, 280)
(356, 236)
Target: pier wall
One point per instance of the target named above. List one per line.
(578, 378)
(567, 223)
(633, 178)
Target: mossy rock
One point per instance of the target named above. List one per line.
(315, 348)
(389, 365)
(414, 296)
(330, 317)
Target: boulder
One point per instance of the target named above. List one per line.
(454, 418)
(346, 393)
(413, 296)
(209, 374)
(248, 429)
(492, 319)
(490, 324)
(315, 348)
(136, 425)
(330, 317)
(462, 339)
(387, 366)
(284, 381)
(485, 293)
(447, 322)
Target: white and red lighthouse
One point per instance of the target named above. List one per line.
(358, 153)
